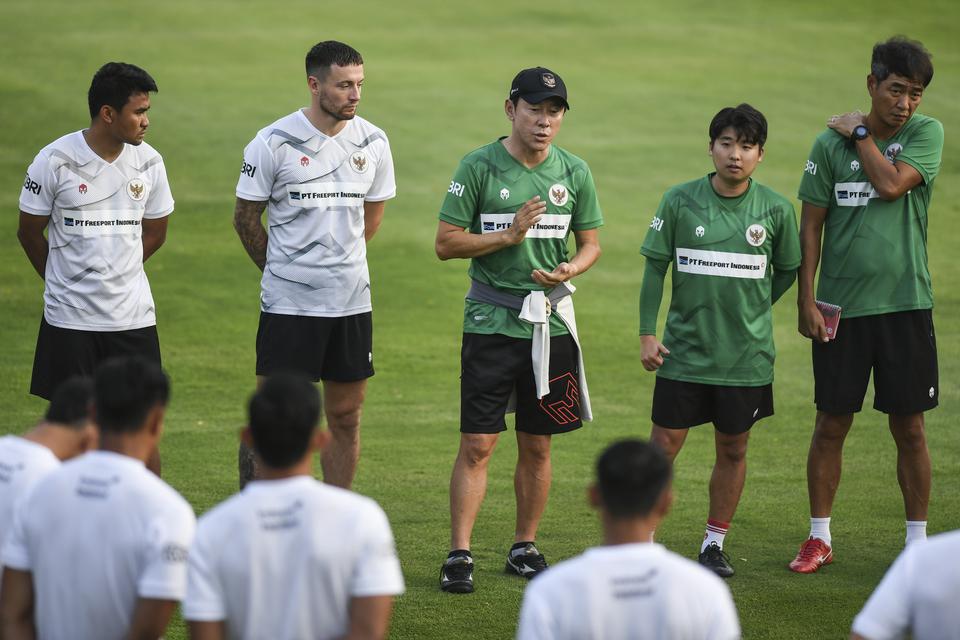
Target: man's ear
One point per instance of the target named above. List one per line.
(593, 496)
(155, 420)
(510, 109)
(320, 439)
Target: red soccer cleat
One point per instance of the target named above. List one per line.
(813, 554)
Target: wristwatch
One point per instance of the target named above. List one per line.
(860, 132)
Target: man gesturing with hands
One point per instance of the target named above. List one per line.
(510, 208)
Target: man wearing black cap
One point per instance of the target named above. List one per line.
(510, 208)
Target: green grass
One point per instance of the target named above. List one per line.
(644, 81)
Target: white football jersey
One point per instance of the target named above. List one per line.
(283, 558)
(94, 278)
(315, 186)
(638, 591)
(97, 534)
(22, 462)
(918, 595)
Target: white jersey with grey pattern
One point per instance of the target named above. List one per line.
(94, 277)
(315, 186)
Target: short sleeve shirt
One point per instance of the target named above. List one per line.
(918, 595)
(94, 279)
(315, 186)
(487, 189)
(724, 251)
(640, 591)
(874, 254)
(284, 558)
(97, 534)
(22, 463)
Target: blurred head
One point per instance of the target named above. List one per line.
(71, 403)
(284, 414)
(633, 480)
(68, 428)
(737, 135)
(130, 395)
(903, 57)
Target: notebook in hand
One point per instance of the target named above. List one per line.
(831, 317)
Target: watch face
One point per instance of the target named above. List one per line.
(860, 132)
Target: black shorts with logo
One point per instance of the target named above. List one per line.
(900, 349)
(335, 349)
(62, 353)
(732, 410)
(493, 366)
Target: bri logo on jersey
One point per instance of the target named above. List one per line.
(456, 189)
(31, 186)
(248, 170)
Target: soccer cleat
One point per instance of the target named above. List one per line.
(456, 574)
(526, 561)
(716, 560)
(813, 554)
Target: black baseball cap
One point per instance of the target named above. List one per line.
(537, 84)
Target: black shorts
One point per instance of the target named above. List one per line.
(493, 366)
(62, 353)
(732, 410)
(335, 349)
(901, 350)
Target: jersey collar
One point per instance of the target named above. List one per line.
(314, 139)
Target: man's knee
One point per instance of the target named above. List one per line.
(670, 441)
(908, 432)
(732, 449)
(832, 429)
(476, 448)
(533, 449)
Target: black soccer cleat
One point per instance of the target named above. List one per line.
(456, 574)
(526, 561)
(716, 560)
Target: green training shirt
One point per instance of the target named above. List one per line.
(487, 189)
(874, 255)
(724, 251)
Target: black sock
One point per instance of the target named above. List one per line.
(460, 552)
(519, 545)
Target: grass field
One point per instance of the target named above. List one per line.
(644, 81)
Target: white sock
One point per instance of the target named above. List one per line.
(820, 528)
(916, 531)
(715, 533)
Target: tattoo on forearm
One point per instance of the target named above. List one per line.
(253, 236)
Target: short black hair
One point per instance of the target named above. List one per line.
(327, 53)
(70, 403)
(750, 125)
(904, 57)
(631, 476)
(126, 389)
(114, 83)
(284, 412)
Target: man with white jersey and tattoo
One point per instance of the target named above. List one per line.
(102, 196)
(323, 175)
(510, 208)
